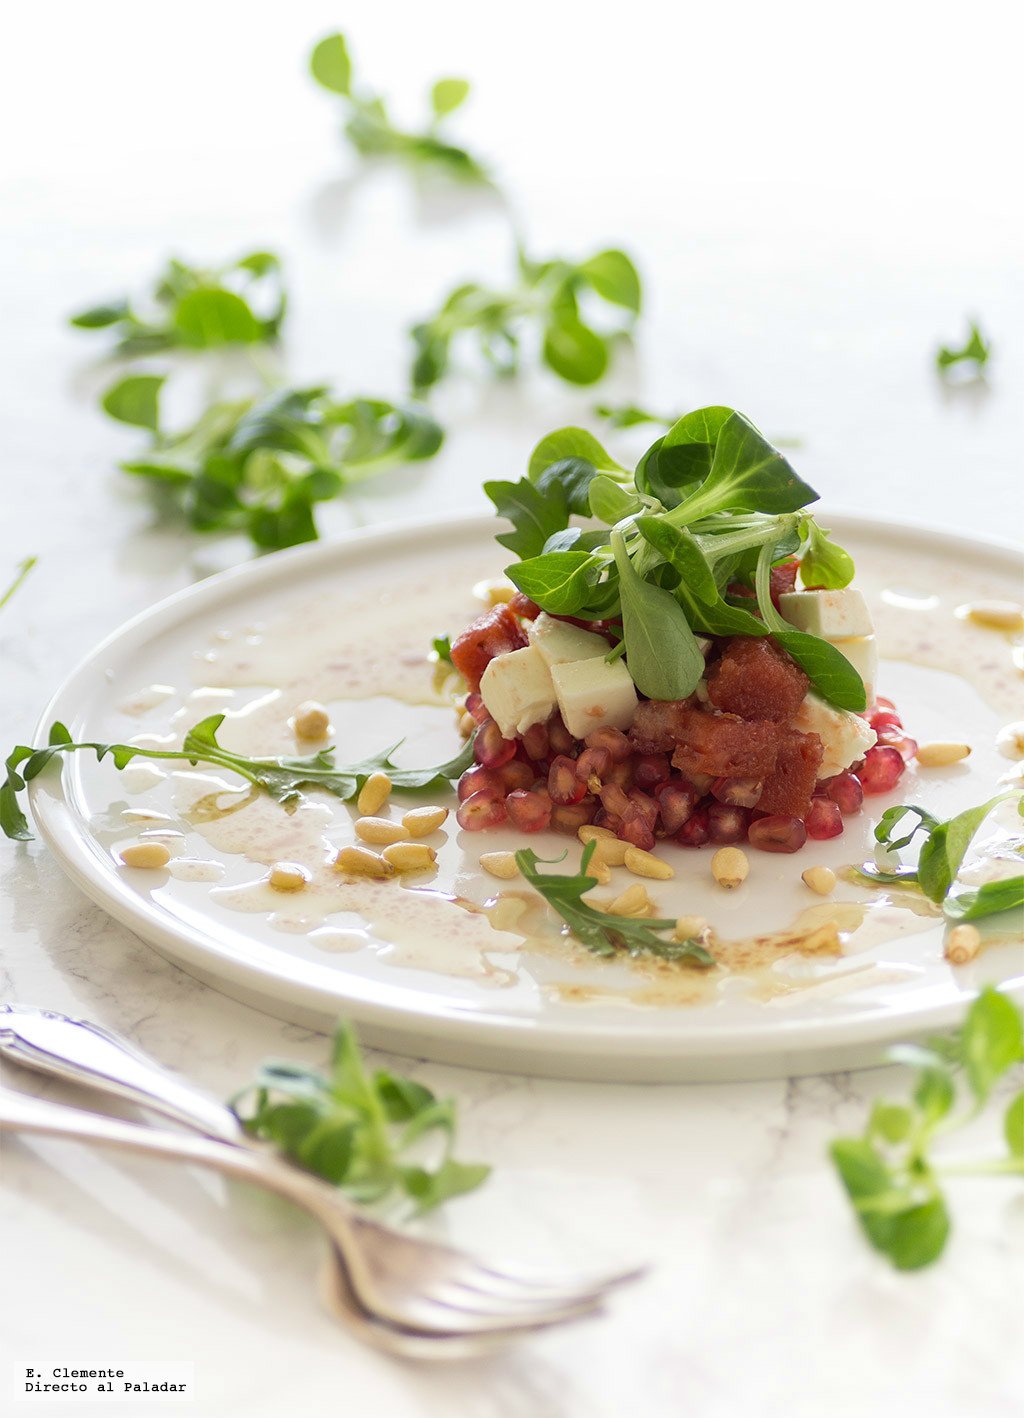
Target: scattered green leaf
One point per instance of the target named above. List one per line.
(975, 350)
(22, 570)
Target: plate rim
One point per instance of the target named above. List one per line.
(61, 828)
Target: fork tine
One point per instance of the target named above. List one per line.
(510, 1285)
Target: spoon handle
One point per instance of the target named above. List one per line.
(80, 1052)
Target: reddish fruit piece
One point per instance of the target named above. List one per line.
(676, 802)
(884, 719)
(481, 810)
(516, 775)
(645, 805)
(621, 773)
(563, 785)
(737, 792)
(650, 769)
(528, 811)
(725, 745)
(657, 725)
(560, 740)
(694, 832)
(636, 829)
(489, 635)
(593, 763)
(757, 680)
(614, 740)
(777, 833)
(614, 799)
(845, 790)
(535, 742)
(726, 823)
(782, 579)
(475, 705)
(490, 749)
(522, 606)
(882, 703)
(881, 770)
(901, 742)
(604, 818)
(476, 779)
(787, 792)
(570, 817)
(823, 819)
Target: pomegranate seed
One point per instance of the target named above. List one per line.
(676, 802)
(636, 829)
(901, 742)
(726, 823)
(489, 748)
(535, 742)
(614, 740)
(621, 773)
(593, 762)
(481, 810)
(701, 781)
(476, 779)
(604, 818)
(648, 806)
(475, 705)
(563, 785)
(777, 834)
(694, 831)
(528, 811)
(882, 769)
(570, 817)
(845, 789)
(614, 800)
(884, 719)
(516, 775)
(650, 769)
(560, 740)
(823, 819)
(737, 792)
(882, 703)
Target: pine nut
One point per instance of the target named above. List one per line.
(820, 879)
(150, 856)
(632, 901)
(962, 944)
(373, 794)
(501, 864)
(588, 833)
(506, 912)
(642, 863)
(288, 876)
(360, 861)
(421, 821)
(410, 856)
(600, 871)
(498, 593)
(729, 867)
(466, 725)
(379, 830)
(689, 928)
(1000, 615)
(938, 755)
(311, 721)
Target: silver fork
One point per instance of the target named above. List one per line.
(406, 1294)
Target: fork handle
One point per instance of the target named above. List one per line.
(83, 1053)
(19, 1112)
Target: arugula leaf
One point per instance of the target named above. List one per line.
(560, 581)
(628, 415)
(284, 777)
(570, 443)
(135, 400)
(355, 1129)
(890, 1175)
(609, 501)
(682, 552)
(946, 846)
(746, 474)
(975, 350)
(544, 301)
(972, 903)
(370, 129)
(22, 570)
(442, 645)
(823, 564)
(603, 934)
(893, 816)
(192, 307)
(662, 653)
(535, 515)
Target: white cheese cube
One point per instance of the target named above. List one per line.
(517, 690)
(834, 615)
(593, 694)
(561, 643)
(844, 736)
(862, 653)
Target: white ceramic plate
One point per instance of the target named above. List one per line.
(444, 985)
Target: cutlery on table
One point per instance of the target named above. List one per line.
(409, 1296)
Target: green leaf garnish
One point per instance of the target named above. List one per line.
(23, 569)
(355, 1129)
(284, 777)
(975, 350)
(603, 934)
(891, 1174)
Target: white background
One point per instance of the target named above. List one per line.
(817, 197)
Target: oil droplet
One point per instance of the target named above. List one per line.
(910, 600)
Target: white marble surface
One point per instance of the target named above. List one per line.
(805, 249)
